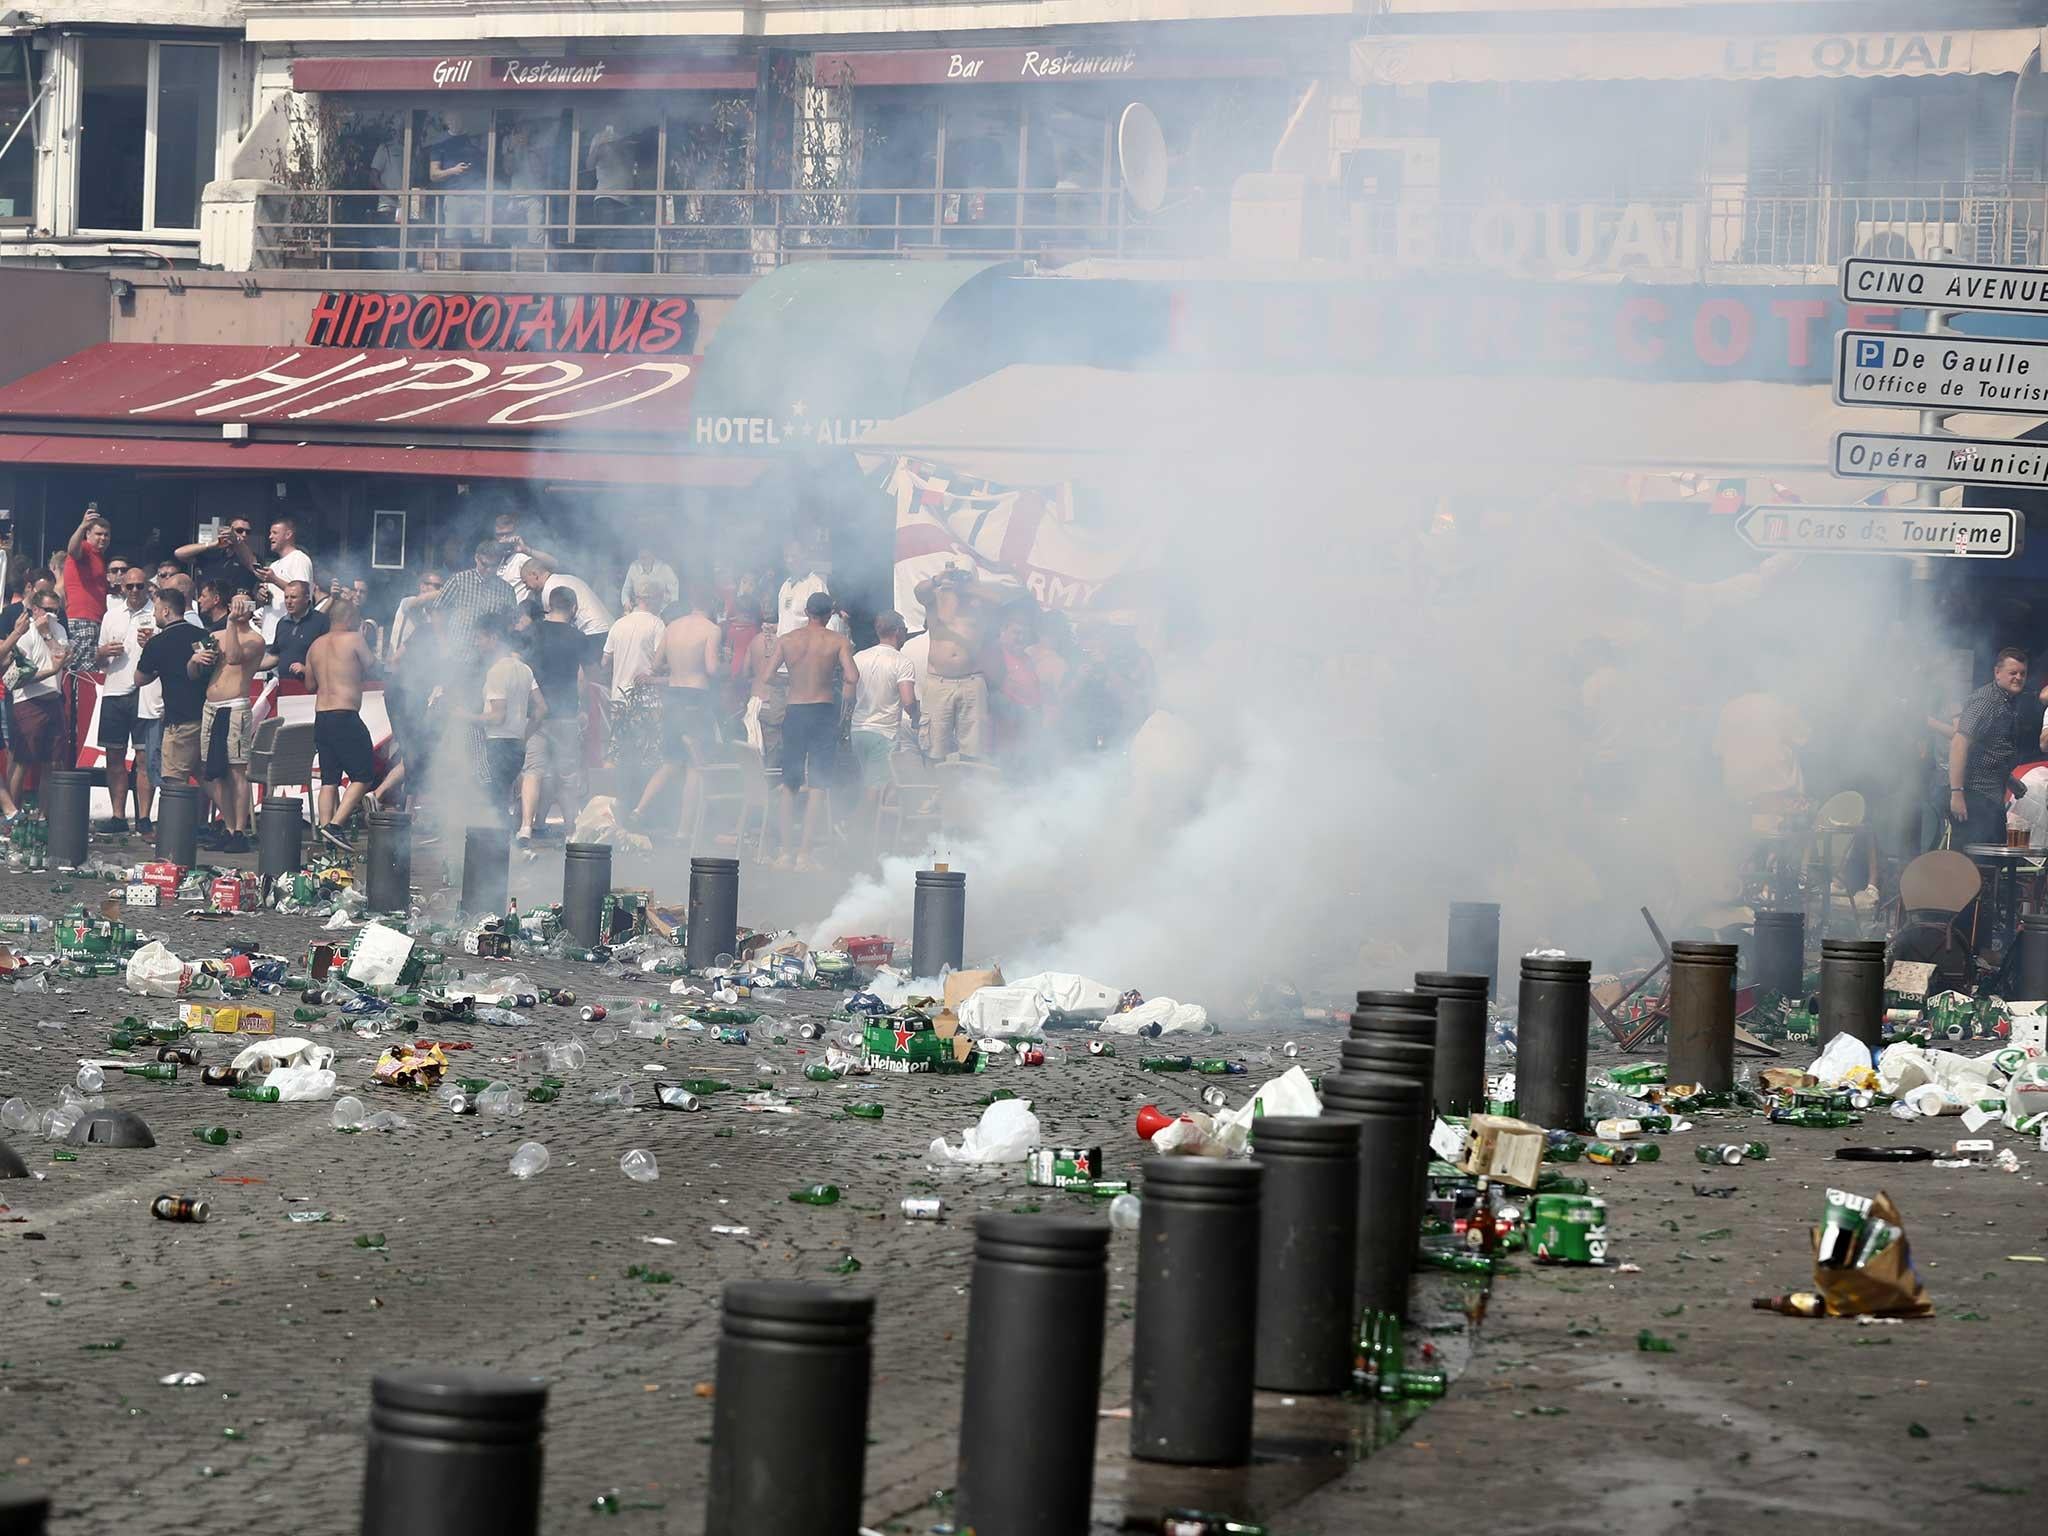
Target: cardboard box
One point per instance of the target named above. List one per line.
(1506, 1149)
(166, 878)
(868, 950)
(232, 893)
(143, 895)
(259, 1021)
(962, 985)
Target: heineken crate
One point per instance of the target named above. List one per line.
(1568, 1229)
(621, 916)
(93, 936)
(1064, 1167)
(912, 1045)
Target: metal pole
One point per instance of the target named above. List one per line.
(1932, 424)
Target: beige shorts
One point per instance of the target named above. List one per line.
(225, 744)
(181, 752)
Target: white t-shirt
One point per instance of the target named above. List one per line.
(632, 645)
(119, 626)
(789, 605)
(509, 679)
(33, 652)
(510, 567)
(878, 701)
(296, 566)
(917, 650)
(661, 573)
(592, 617)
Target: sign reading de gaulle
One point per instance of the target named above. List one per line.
(606, 324)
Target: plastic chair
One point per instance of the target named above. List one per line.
(910, 800)
(281, 755)
(1935, 890)
(1838, 827)
(723, 787)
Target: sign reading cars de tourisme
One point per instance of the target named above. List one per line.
(1980, 533)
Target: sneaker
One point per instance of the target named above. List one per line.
(209, 838)
(145, 828)
(118, 825)
(523, 837)
(235, 842)
(331, 835)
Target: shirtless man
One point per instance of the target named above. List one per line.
(224, 729)
(810, 728)
(690, 654)
(962, 621)
(336, 665)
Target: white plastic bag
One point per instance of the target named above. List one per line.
(2027, 1095)
(1170, 1016)
(284, 1051)
(1932, 1099)
(1007, 1133)
(1192, 1135)
(378, 955)
(1074, 997)
(1003, 1011)
(293, 1083)
(1291, 1093)
(1903, 1068)
(1837, 1059)
(155, 972)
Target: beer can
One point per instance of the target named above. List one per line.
(1030, 1056)
(177, 1208)
(676, 1096)
(1063, 1167)
(1101, 1048)
(1730, 1155)
(923, 1207)
(730, 1034)
(593, 1013)
(810, 1031)
(1568, 1229)
(461, 1103)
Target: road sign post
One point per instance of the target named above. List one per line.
(1942, 373)
(1941, 459)
(1978, 533)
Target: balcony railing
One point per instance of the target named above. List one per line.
(1717, 233)
(736, 233)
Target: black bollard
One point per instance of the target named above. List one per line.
(2031, 984)
(1473, 947)
(388, 883)
(280, 837)
(1702, 1028)
(486, 868)
(938, 921)
(714, 917)
(1777, 954)
(177, 824)
(1550, 1041)
(1198, 1284)
(1851, 989)
(1458, 1082)
(1402, 1015)
(789, 1424)
(1034, 1357)
(1389, 1215)
(67, 814)
(1308, 1253)
(23, 1514)
(453, 1452)
(586, 881)
(1411, 1059)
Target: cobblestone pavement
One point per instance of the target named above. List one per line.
(1560, 1424)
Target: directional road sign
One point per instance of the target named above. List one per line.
(1980, 533)
(1945, 285)
(1949, 460)
(1941, 373)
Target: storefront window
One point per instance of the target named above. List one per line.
(149, 135)
(18, 165)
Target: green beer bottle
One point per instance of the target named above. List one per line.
(212, 1135)
(1561, 1184)
(1166, 1063)
(865, 1111)
(254, 1095)
(1392, 1355)
(307, 1015)
(1422, 1384)
(154, 1071)
(704, 1085)
(1459, 1261)
(1569, 1150)
(544, 1094)
(816, 1194)
(819, 1073)
(1816, 1119)
(1755, 1151)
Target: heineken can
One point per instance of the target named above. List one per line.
(923, 1207)
(1568, 1229)
(1730, 1155)
(1063, 1167)
(1101, 1048)
(730, 1034)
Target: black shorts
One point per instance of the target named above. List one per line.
(343, 742)
(810, 743)
(686, 718)
(119, 724)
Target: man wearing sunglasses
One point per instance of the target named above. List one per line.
(219, 558)
(124, 631)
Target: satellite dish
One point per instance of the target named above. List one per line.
(1141, 156)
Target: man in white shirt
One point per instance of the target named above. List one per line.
(806, 575)
(513, 550)
(123, 632)
(511, 717)
(917, 650)
(288, 563)
(539, 578)
(887, 692)
(37, 732)
(660, 572)
(630, 651)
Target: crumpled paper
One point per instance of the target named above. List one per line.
(404, 1066)
(1006, 1134)
(1171, 1017)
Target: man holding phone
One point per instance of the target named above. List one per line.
(126, 629)
(225, 731)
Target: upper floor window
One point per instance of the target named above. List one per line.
(148, 132)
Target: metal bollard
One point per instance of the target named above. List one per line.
(938, 923)
(586, 881)
(23, 1514)
(714, 918)
(67, 815)
(1852, 989)
(1389, 1210)
(1702, 1028)
(1034, 1357)
(1473, 947)
(789, 1424)
(280, 837)
(1777, 953)
(1198, 1280)
(177, 824)
(2032, 980)
(387, 884)
(1411, 1059)
(486, 868)
(1458, 1082)
(1306, 1333)
(453, 1452)
(1550, 1041)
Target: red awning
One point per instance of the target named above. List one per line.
(618, 419)
(515, 463)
